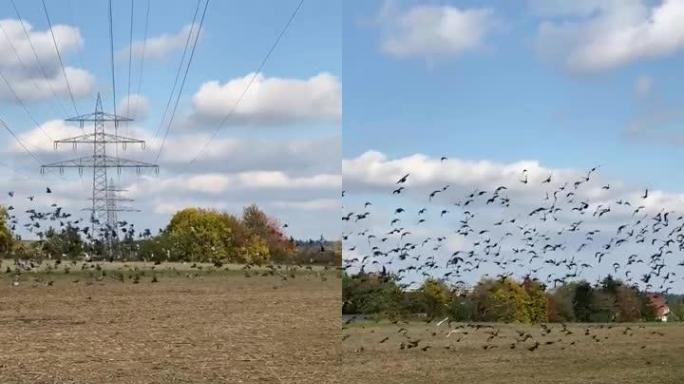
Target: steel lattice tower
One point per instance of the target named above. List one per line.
(104, 209)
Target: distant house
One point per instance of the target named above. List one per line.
(660, 304)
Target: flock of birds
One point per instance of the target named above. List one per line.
(555, 240)
(536, 227)
(39, 222)
(57, 218)
(450, 337)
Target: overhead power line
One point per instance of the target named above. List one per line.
(21, 143)
(111, 56)
(59, 56)
(249, 84)
(142, 56)
(178, 71)
(23, 65)
(35, 55)
(185, 75)
(130, 60)
(23, 105)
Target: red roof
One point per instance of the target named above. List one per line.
(660, 304)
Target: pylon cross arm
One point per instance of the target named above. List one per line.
(98, 116)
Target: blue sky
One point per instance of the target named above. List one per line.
(232, 46)
(306, 66)
(505, 102)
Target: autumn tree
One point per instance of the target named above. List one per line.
(203, 235)
(560, 306)
(536, 300)
(436, 295)
(257, 223)
(254, 251)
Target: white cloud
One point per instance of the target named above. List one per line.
(38, 139)
(555, 8)
(222, 183)
(612, 34)
(309, 205)
(25, 75)
(159, 47)
(295, 156)
(435, 31)
(271, 100)
(234, 155)
(165, 207)
(134, 106)
(374, 172)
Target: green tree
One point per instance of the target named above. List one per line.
(648, 310)
(582, 301)
(65, 243)
(435, 297)
(370, 293)
(628, 304)
(677, 311)
(461, 308)
(6, 239)
(603, 307)
(560, 303)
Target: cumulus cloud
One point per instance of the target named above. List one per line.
(158, 47)
(270, 100)
(374, 172)
(295, 156)
(554, 8)
(604, 35)
(40, 79)
(134, 106)
(431, 31)
(309, 205)
(39, 139)
(214, 184)
(166, 207)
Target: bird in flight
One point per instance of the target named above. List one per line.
(403, 179)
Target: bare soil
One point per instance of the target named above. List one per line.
(649, 353)
(189, 327)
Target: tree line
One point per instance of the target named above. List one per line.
(502, 300)
(192, 235)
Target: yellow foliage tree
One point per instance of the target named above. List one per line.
(255, 251)
(204, 235)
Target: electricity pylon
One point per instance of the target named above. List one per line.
(103, 211)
